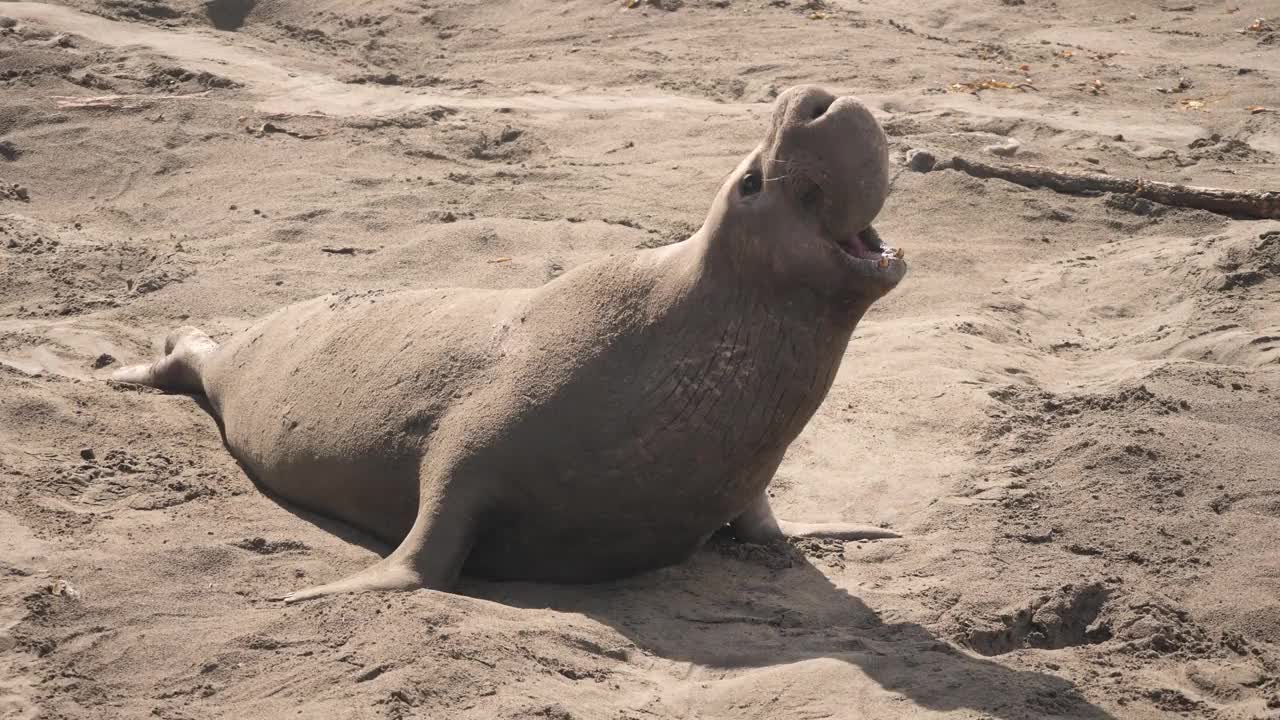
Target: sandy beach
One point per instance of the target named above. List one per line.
(1069, 408)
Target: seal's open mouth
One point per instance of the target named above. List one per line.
(866, 245)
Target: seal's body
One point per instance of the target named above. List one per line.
(605, 423)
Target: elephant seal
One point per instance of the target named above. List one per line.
(603, 424)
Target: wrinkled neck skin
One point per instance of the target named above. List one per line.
(732, 267)
(737, 327)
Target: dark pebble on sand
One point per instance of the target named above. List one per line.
(7, 22)
(87, 453)
(102, 361)
(921, 160)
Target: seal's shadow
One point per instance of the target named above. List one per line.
(725, 612)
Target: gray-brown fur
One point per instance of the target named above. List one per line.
(603, 424)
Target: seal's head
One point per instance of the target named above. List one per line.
(799, 208)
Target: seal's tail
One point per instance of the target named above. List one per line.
(185, 352)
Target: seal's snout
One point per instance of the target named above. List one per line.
(809, 104)
(830, 156)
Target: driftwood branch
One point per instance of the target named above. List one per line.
(1246, 203)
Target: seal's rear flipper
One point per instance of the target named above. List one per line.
(185, 351)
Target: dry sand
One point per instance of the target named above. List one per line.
(1070, 406)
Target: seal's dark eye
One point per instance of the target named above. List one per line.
(751, 183)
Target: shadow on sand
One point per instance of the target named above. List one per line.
(722, 611)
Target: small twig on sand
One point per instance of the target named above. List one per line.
(120, 102)
(346, 250)
(268, 128)
(1248, 203)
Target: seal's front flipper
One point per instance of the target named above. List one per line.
(384, 575)
(431, 555)
(758, 525)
